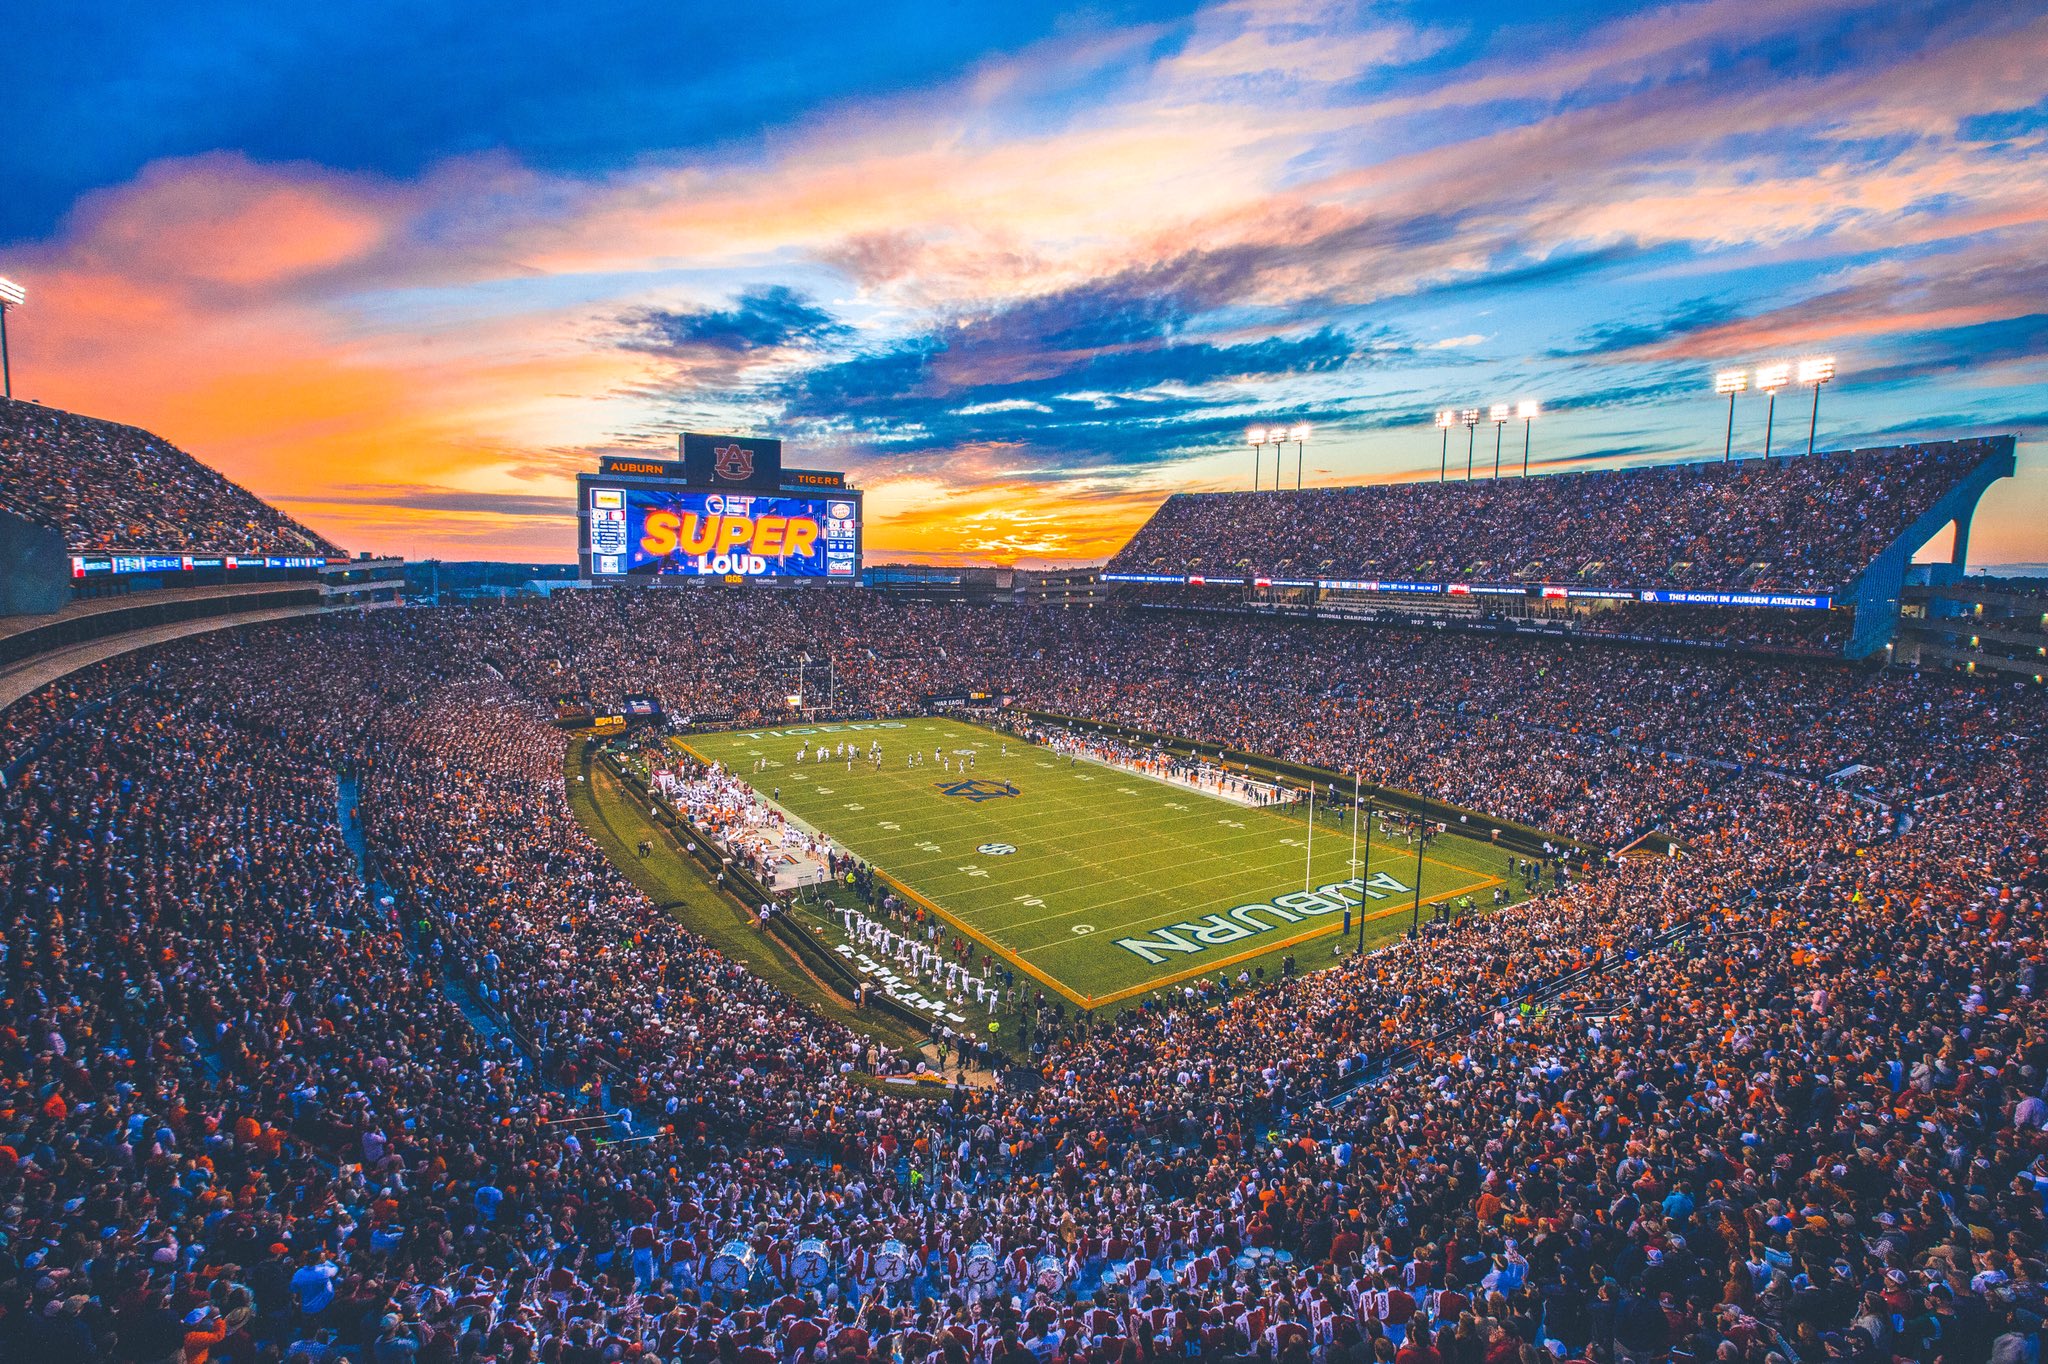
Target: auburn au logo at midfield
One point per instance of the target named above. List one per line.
(976, 790)
(734, 462)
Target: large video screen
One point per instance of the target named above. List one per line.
(639, 531)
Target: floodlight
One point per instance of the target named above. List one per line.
(1299, 433)
(1731, 381)
(1817, 371)
(11, 295)
(1471, 416)
(1527, 410)
(1255, 436)
(1771, 378)
(1447, 418)
(1500, 412)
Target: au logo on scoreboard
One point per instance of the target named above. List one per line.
(977, 790)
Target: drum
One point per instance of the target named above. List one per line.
(984, 1266)
(1049, 1272)
(893, 1263)
(811, 1266)
(732, 1268)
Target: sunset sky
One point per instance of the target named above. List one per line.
(406, 268)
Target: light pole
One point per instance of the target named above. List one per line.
(1299, 435)
(1415, 916)
(1771, 378)
(1815, 372)
(1500, 421)
(1470, 416)
(1358, 806)
(1256, 438)
(11, 296)
(1528, 413)
(1730, 382)
(1445, 420)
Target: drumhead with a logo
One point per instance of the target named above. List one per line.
(892, 1262)
(732, 1268)
(811, 1266)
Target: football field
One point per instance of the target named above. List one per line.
(1096, 882)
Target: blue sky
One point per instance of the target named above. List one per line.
(1024, 269)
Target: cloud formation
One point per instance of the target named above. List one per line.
(1034, 273)
(766, 318)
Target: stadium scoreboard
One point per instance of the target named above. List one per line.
(726, 511)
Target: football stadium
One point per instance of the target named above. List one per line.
(582, 783)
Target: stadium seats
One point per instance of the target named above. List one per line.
(330, 1033)
(1793, 525)
(115, 488)
(1779, 1096)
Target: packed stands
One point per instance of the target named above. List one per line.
(330, 1034)
(1807, 524)
(313, 992)
(113, 488)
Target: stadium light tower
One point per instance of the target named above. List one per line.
(1470, 416)
(1256, 438)
(1770, 378)
(1299, 435)
(1528, 412)
(1500, 415)
(1816, 372)
(1730, 382)
(11, 296)
(1445, 420)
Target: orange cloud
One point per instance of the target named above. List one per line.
(200, 302)
(221, 220)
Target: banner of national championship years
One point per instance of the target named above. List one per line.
(649, 531)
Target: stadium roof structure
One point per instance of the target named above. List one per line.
(1838, 528)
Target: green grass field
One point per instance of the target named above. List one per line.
(1098, 883)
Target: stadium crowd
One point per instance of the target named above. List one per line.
(1473, 720)
(330, 1035)
(1806, 524)
(113, 488)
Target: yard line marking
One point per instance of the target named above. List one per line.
(1054, 814)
